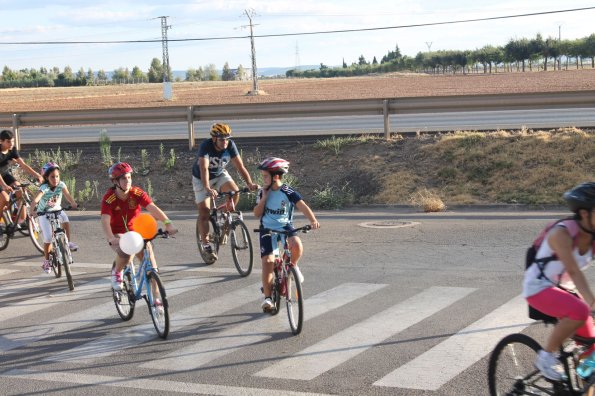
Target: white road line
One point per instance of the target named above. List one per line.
(229, 341)
(7, 271)
(24, 307)
(102, 266)
(348, 343)
(20, 285)
(164, 267)
(15, 338)
(110, 343)
(437, 366)
(148, 384)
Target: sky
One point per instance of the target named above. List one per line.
(212, 20)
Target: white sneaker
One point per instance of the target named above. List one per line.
(267, 304)
(73, 246)
(299, 274)
(549, 366)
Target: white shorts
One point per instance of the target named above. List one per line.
(46, 227)
(200, 193)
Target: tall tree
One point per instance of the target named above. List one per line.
(138, 75)
(101, 75)
(241, 73)
(155, 72)
(211, 72)
(226, 74)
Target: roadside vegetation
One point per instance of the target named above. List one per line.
(430, 171)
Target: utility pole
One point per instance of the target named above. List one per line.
(297, 57)
(250, 15)
(429, 45)
(167, 87)
(559, 44)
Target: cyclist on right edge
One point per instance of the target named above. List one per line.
(274, 206)
(542, 290)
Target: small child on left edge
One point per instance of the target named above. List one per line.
(49, 199)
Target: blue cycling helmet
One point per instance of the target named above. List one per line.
(48, 167)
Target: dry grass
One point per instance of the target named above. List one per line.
(428, 200)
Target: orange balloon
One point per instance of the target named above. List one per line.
(145, 225)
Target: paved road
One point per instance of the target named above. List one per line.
(477, 120)
(409, 310)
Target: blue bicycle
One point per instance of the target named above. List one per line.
(141, 280)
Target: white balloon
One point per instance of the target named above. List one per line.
(131, 242)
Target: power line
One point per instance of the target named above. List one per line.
(299, 34)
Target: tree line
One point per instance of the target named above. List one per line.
(516, 55)
(54, 77)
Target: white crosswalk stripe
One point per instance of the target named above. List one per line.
(109, 344)
(25, 335)
(152, 384)
(239, 336)
(321, 357)
(428, 371)
(425, 372)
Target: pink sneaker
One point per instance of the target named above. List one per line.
(46, 266)
(116, 280)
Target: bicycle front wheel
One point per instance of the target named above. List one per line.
(66, 261)
(295, 301)
(511, 370)
(157, 302)
(55, 263)
(124, 299)
(35, 232)
(241, 247)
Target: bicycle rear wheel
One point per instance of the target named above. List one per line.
(241, 247)
(294, 301)
(35, 232)
(213, 236)
(157, 302)
(66, 261)
(511, 370)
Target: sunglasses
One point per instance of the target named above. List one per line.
(222, 139)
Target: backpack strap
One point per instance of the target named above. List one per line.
(573, 229)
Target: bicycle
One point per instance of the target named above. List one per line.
(139, 277)
(286, 282)
(226, 223)
(60, 254)
(12, 212)
(511, 370)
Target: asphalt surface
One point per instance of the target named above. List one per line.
(408, 303)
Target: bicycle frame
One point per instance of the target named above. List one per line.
(56, 226)
(144, 277)
(282, 261)
(225, 213)
(12, 211)
(139, 278)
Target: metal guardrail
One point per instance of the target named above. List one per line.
(383, 107)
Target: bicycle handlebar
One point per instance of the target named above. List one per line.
(65, 208)
(232, 193)
(305, 229)
(163, 234)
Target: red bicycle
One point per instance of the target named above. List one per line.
(286, 282)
